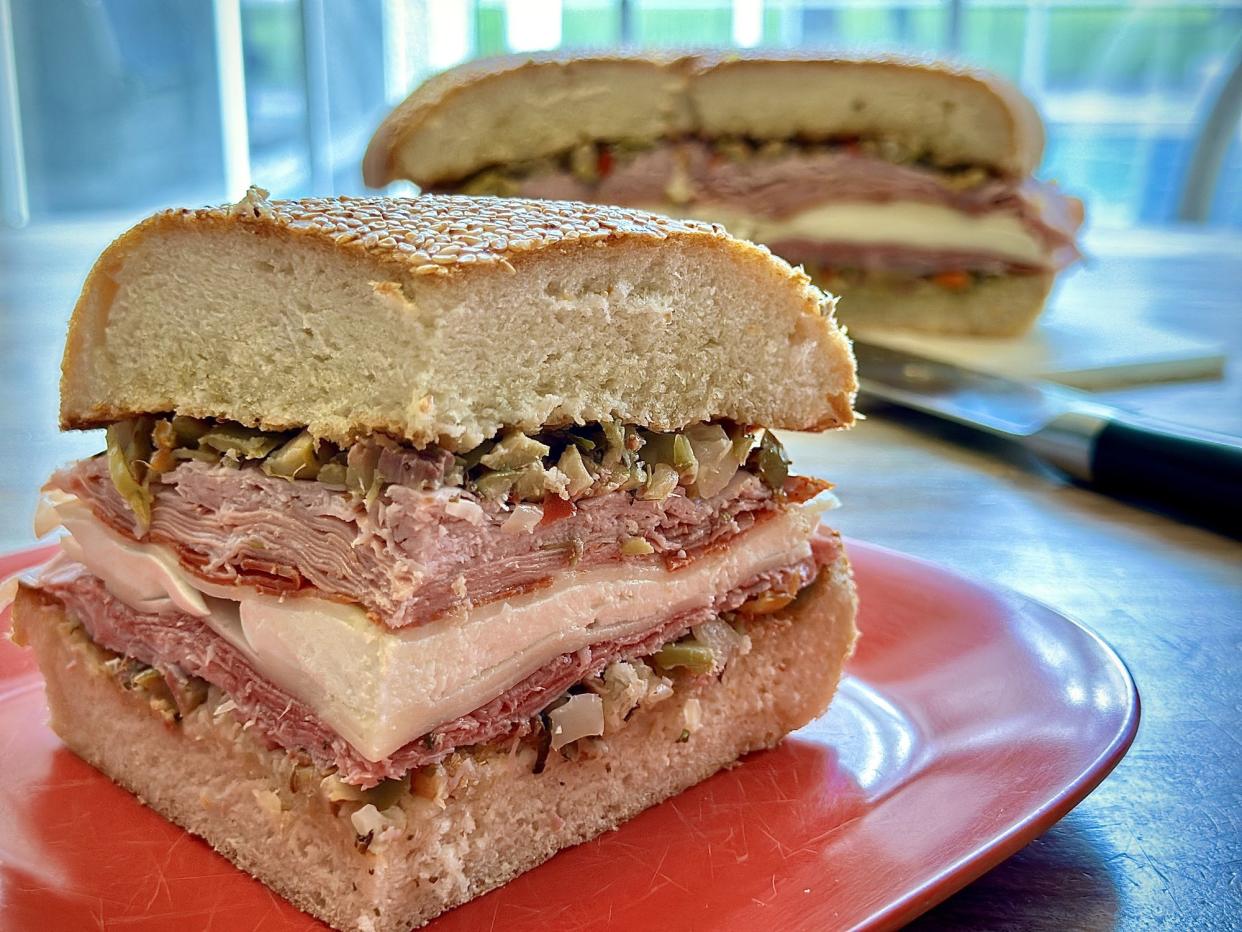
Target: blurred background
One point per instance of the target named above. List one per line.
(120, 106)
(110, 109)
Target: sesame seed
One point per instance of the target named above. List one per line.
(433, 232)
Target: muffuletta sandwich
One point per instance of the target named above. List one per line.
(435, 535)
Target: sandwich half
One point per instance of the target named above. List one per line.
(435, 535)
(903, 186)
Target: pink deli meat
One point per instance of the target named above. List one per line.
(182, 644)
(781, 186)
(415, 553)
(830, 255)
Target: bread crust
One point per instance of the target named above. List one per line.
(443, 91)
(404, 250)
(1024, 128)
(993, 306)
(211, 776)
(441, 100)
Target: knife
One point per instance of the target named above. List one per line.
(1114, 452)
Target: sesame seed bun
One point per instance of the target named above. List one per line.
(444, 319)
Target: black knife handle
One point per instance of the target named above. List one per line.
(1197, 475)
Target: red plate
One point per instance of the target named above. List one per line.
(971, 720)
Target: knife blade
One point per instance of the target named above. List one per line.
(1115, 452)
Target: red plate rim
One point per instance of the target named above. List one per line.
(1017, 836)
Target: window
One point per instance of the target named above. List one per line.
(124, 105)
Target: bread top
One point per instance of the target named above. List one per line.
(958, 115)
(446, 319)
(499, 111)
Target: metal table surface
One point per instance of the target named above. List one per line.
(1159, 844)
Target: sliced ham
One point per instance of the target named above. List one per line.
(414, 553)
(893, 259)
(180, 642)
(782, 186)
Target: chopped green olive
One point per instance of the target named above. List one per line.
(614, 435)
(571, 464)
(636, 547)
(712, 448)
(770, 462)
(295, 460)
(584, 162)
(126, 451)
(773, 148)
(742, 443)
(660, 485)
(735, 150)
(684, 460)
(333, 474)
(387, 793)
(429, 782)
(532, 483)
(515, 449)
(471, 458)
(671, 449)
(148, 678)
(695, 657)
(189, 429)
(189, 453)
(635, 477)
(494, 183)
(496, 484)
(243, 442)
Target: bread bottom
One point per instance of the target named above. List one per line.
(992, 306)
(496, 818)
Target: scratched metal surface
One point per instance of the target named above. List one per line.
(1159, 844)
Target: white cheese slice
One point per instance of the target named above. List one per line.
(893, 223)
(145, 577)
(380, 688)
